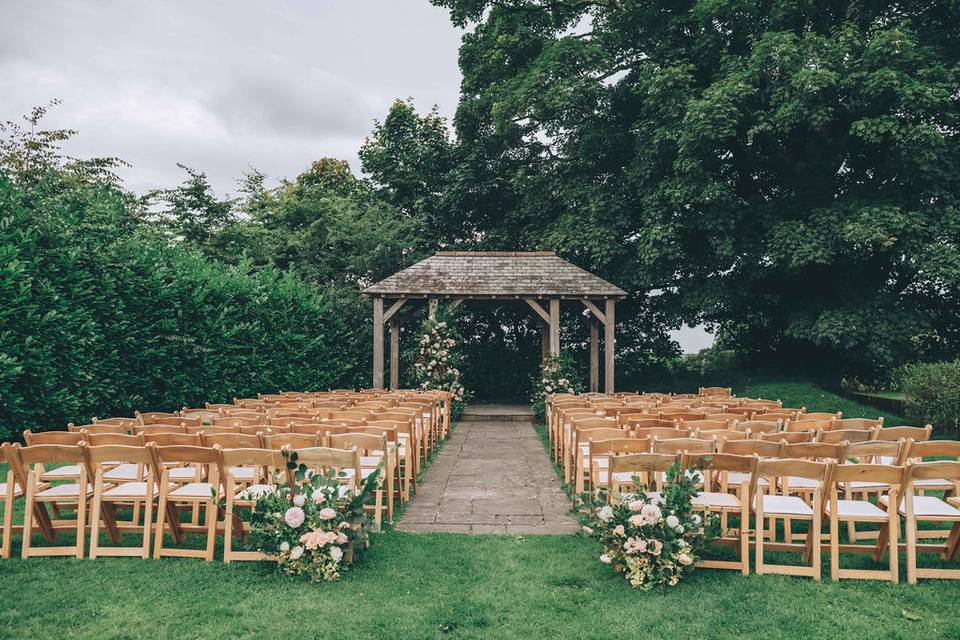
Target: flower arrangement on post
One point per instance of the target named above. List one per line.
(438, 361)
(558, 374)
(309, 526)
(653, 540)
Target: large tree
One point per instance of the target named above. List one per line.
(788, 172)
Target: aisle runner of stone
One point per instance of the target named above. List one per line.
(491, 477)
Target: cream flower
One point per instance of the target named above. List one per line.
(317, 496)
(672, 521)
(684, 559)
(294, 517)
(606, 513)
(605, 559)
(299, 500)
(284, 546)
(637, 520)
(327, 513)
(619, 530)
(336, 553)
(296, 553)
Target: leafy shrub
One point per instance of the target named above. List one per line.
(933, 394)
(438, 361)
(558, 374)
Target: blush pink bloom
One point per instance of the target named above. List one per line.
(654, 547)
(342, 538)
(636, 506)
(327, 513)
(619, 531)
(650, 513)
(312, 539)
(294, 517)
(637, 520)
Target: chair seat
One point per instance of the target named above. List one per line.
(737, 478)
(620, 476)
(364, 472)
(927, 506)
(783, 506)
(182, 473)
(370, 461)
(126, 472)
(130, 490)
(243, 474)
(861, 484)
(66, 472)
(256, 491)
(794, 482)
(70, 490)
(934, 483)
(858, 509)
(16, 490)
(193, 490)
(716, 500)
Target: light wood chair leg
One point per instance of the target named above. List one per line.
(211, 515)
(761, 534)
(815, 538)
(147, 521)
(894, 546)
(161, 519)
(8, 501)
(834, 543)
(28, 515)
(228, 522)
(96, 514)
(911, 525)
(82, 514)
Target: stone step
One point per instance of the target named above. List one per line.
(496, 413)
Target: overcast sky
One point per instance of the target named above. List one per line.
(222, 86)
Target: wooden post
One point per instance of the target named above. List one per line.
(594, 354)
(432, 306)
(554, 326)
(394, 352)
(609, 342)
(544, 341)
(378, 343)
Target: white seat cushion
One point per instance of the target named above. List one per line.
(255, 491)
(182, 473)
(794, 482)
(736, 478)
(783, 505)
(193, 490)
(861, 484)
(931, 483)
(243, 474)
(16, 489)
(716, 500)
(370, 461)
(927, 506)
(65, 472)
(129, 490)
(70, 490)
(126, 472)
(857, 509)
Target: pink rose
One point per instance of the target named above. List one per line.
(654, 547)
(342, 538)
(636, 520)
(619, 531)
(636, 506)
(327, 513)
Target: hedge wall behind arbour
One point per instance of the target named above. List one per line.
(101, 315)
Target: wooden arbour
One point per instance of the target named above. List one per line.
(541, 279)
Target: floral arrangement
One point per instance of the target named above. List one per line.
(308, 525)
(653, 539)
(438, 360)
(558, 374)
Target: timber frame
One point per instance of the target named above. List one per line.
(541, 279)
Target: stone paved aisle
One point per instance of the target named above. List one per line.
(490, 477)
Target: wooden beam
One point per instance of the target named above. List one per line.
(393, 309)
(594, 355)
(609, 342)
(378, 343)
(456, 302)
(544, 341)
(554, 326)
(595, 311)
(432, 308)
(394, 353)
(540, 310)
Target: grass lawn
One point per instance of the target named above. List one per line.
(814, 398)
(440, 585)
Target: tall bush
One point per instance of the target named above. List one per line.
(933, 394)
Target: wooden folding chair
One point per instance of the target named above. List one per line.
(243, 475)
(789, 437)
(853, 511)
(11, 490)
(917, 434)
(99, 427)
(39, 494)
(602, 450)
(581, 449)
(789, 508)
(719, 466)
(926, 508)
(839, 436)
(108, 496)
(649, 468)
(758, 427)
(866, 424)
(292, 440)
(200, 494)
(374, 458)
(401, 438)
(322, 459)
(867, 453)
(243, 495)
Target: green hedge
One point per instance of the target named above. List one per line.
(102, 315)
(933, 394)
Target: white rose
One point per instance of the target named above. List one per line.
(336, 553)
(679, 529)
(696, 520)
(296, 553)
(672, 521)
(299, 500)
(605, 559)
(317, 496)
(284, 546)
(606, 513)
(684, 559)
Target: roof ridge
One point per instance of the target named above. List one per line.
(497, 254)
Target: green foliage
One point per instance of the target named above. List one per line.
(789, 173)
(102, 315)
(191, 211)
(933, 394)
(438, 361)
(558, 374)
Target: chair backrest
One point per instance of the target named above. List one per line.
(389, 432)
(769, 416)
(230, 440)
(51, 453)
(681, 416)
(96, 455)
(54, 437)
(661, 432)
(805, 424)
(892, 475)
(716, 391)
(325, 458)
(814, 451)
(184, 453)
(269, 459)
(641, 463)
(233, 421)
(938, 470)
(158, 428)
(122, 439)
(720, 436)
(708, 425)
(148, 417)
(722, 462)
(638, 422)
(761, 448)
(789, 436)
(756, 427)
(726, 417)
(619, 446)
(117, 421)
(935, 449)
(822, 415)
(252, 430)
(366, 443)
(211, 429)
(351, 415)
(99, 427)
(683, 445)
(173, 421)
(867, 424)
(845, 435)
(609, 433)
(917, 434)
(292, 440)
(173, 439)
(791, 467)
(874, 450)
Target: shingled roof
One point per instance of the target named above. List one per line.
(494, 274)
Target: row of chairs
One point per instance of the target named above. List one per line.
(153, 480)
(814, 483)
